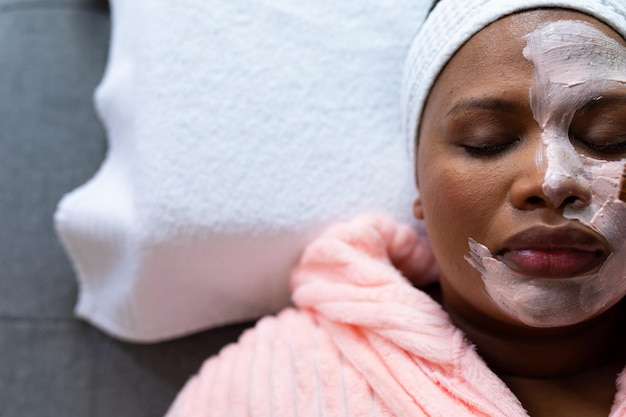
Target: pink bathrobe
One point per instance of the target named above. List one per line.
(363, 342)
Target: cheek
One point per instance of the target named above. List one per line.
(453, 204)
(454, 194)
(459, 202)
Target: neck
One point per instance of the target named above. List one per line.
(512, 350)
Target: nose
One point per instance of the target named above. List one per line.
(567, 190)
(544, 182)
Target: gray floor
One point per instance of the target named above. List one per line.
(53, 54)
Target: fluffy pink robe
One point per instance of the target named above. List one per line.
(362, 342)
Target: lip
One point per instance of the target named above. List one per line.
(554, 252)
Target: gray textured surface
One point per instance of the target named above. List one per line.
(51, 142)
(53, 54)
(64, 367)
(47, 367)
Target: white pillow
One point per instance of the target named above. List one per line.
(238, 130)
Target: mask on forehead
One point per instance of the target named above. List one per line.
(575, 64)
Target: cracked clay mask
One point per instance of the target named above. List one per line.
(575, 64)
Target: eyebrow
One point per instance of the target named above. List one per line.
(604, 100)
(485, 103)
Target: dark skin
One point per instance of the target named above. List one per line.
(553, 371)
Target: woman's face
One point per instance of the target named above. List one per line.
(521, 148)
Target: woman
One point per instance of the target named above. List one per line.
(501, 154)
(518, 111)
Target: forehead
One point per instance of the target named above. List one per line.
(493, 59)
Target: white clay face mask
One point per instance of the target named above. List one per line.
(575, 63)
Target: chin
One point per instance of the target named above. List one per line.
(555, 303)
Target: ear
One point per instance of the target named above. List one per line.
(418, 210)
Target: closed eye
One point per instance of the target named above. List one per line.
(599, 127)
(611, 148)
(488, 149)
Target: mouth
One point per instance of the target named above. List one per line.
(554, 252)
